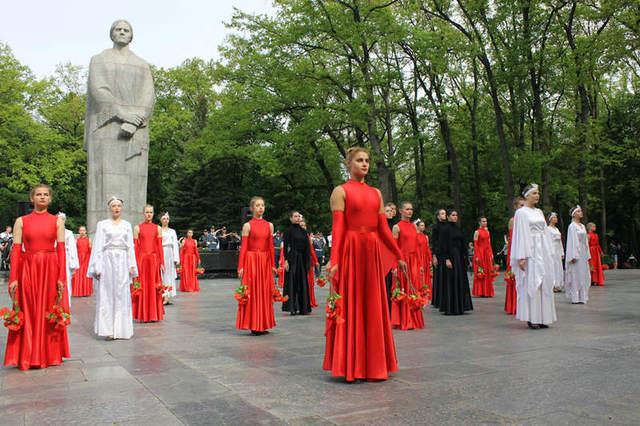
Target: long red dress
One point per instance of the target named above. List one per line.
(189, 261)
(38, 344)
(483, 266)
(311, 276)
(511, 297)
(257, 259)
(147, 306)
(81, 286)
(362, 346)
(595, 263)
(426, 258)
(402, 316)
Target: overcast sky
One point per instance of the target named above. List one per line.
(44, 33)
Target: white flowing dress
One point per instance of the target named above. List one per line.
(171, 257)
(112, 256)
(557, 254)
(578, 277)
(530, 241)
(71, 252)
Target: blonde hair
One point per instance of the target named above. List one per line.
(38, 186)
(254, 200)
(146, 206)
(351, 152)
(590, 226)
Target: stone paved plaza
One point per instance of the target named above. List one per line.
(483, 368)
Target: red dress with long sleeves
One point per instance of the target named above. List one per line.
(362, 346)
(511, 297)
(402, 316)
(311, 276)
(38, 344)
(426, 258)
(82, 286)
(595, 263)
(189, 261)
(147, 306)
(257, 259)
(483, 266)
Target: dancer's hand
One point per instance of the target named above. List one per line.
(286, 265)
(132, 272)
(331, 270)
(12, 289)
(240, 273)
(435, 261)
(449, 264)
(402, 265)
(274, 270)
(522, 263)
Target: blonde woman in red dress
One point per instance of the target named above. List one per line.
(256, 268)
(82, 286)
(484, 272)
(425, 252)
(311, 276)
(359, 341)
(406, 235)
(189, 261)
(147, 237)
(37, 281)
(595, 263)
(511, 296)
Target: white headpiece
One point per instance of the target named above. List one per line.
(112, 199)
(575, 209)
(165, 214)
(529, 188)
(552, 214)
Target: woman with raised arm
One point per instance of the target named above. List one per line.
(171, 253)
(147, 305)
(511, 295)
(595, 263)
(255, 270)
(82, 285)
(531, 262)
(113, 267)
(484, 272)
(578, 277)
(359, 341)
(189, 261)
(37, 282)
(557, 252)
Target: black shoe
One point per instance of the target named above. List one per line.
(255, 333)
(543, 325)
(533, 326)
(293, 313)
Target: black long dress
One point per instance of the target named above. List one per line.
(435, 238)
(297, 253)
(455, 296)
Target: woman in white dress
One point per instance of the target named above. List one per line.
(578, 277)
(171, 258)
(531, 262)
(558, 252)
(113, 266)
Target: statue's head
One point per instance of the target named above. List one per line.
(121, 32)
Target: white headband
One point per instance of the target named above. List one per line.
(114, 198)
(534, 186)
(166, 214)
(575, 209)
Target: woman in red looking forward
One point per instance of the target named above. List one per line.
(483, 265)
(359, 343)
(37, 281)
(147, 238)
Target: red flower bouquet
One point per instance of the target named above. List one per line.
(416, 302)
(322, 281)
(59, 317)
(398, 295)
(425, 291)
(480, 272)
(278, 297)
(241, 294)
(13, 318)
(199, 270)
(136, 289)
(334, 308)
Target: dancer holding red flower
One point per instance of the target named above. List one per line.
(255, 270)
(37, 282)
(82, 286)
(511, 296)
(189, 261)
(148, 307)
(484, 271)
(426, 282)
(595, 263)
(406, 234)
(359, 341)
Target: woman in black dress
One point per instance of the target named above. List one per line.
(441, 219)
(296, 251)
(455, 296)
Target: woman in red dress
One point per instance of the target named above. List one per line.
(406, 235)
(312, 267)
(359, 341)
(82, 286)
(37, 281)
(147, 238)
(256, 267)
(511, 297)
(484, 272)
(427, 257)
(595, 263)
(189, 261)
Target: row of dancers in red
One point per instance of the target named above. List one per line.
(126, 264)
